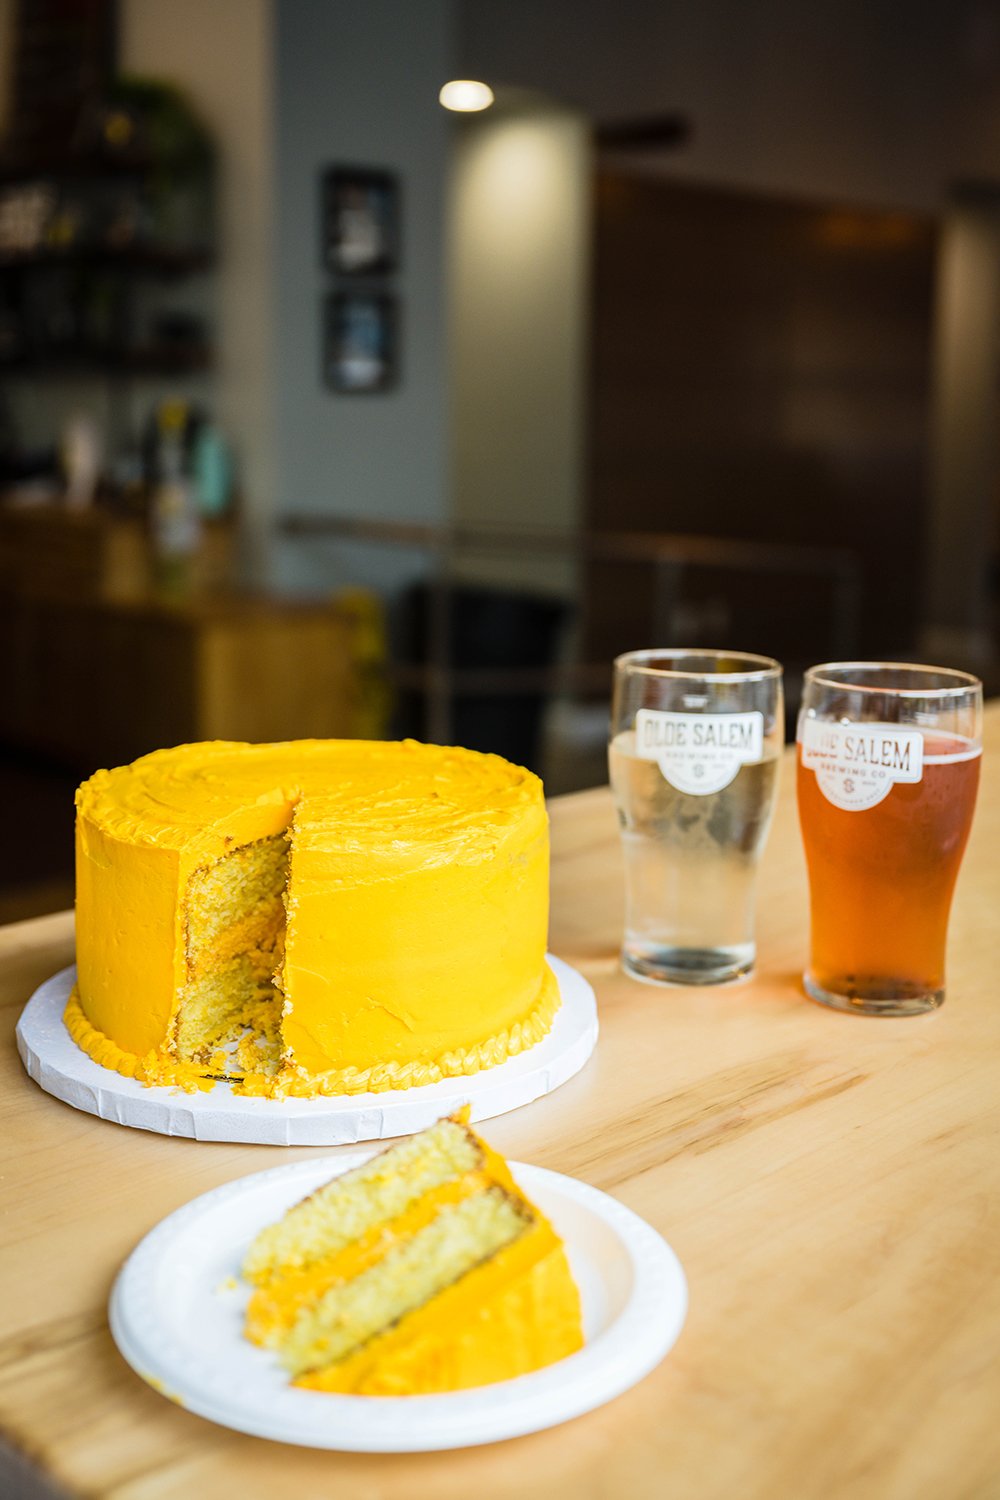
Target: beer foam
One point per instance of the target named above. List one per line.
(968, 749)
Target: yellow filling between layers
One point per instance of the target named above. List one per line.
(348, 1207)
(412, 1271)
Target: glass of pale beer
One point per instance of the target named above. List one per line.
(888, 769)
(696, 738)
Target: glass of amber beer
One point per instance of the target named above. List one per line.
(696, 740)
(888, 769)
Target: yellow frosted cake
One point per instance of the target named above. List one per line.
(425, 1270)
(322, 916)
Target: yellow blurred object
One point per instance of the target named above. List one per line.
(172, 416)
(372, 699)
(118, 128)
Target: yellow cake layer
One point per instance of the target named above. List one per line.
(246, 886)
(415, 880)
(216, 1007)
(346, 1209)
(234, 922)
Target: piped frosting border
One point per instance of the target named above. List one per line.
(291, 1083)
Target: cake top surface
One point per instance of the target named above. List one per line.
(370, 794)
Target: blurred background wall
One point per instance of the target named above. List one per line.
(690, 338)
(879, 103)
(361, 77)
(222, 56)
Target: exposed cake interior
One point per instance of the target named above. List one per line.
(350, 1206)
(234, 945)
(412, 1270)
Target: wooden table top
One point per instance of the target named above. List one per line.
(831, 1184)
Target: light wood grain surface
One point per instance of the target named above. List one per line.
(831, 1184)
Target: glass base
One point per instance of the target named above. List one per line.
(684, 966)
(873, 1002)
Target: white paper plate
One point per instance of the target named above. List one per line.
(177, 1315)
(58, 1066)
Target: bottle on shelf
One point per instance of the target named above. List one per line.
(174, 516)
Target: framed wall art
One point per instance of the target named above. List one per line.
(360, 341)
(360, 221)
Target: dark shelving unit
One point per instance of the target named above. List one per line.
(165, 261)
(153, 360)
(50, 166)
(122, 348)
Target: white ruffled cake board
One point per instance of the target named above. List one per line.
(57, 1065)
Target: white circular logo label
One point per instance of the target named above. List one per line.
(699, 753)
(857, 765)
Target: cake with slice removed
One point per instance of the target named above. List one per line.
(319, 917)
(424, 1270)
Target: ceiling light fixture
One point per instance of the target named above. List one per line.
(466, 95)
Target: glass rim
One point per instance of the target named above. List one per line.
(822, 676)
(639, 661)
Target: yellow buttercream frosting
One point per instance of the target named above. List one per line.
(416, 892)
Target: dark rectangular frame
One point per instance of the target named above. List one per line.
(372, 195)
(338, 309)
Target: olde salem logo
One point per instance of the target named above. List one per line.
(857, 765)
(699, 753)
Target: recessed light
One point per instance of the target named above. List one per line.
(466, 95)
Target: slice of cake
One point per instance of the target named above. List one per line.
(424, 1270)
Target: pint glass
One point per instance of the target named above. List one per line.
(888, 768)
(695, 743)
